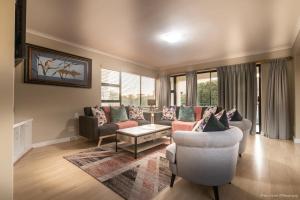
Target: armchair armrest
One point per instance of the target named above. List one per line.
(171, 153)
(88, 127)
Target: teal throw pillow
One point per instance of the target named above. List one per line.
(186, 114)
(118, 114)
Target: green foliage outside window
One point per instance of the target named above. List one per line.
(207, 93)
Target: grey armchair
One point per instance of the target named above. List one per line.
(206, 158)
(245, 125)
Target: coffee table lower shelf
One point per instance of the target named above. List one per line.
(135, 149)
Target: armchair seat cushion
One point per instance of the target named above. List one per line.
(182, 126)
(127, 124)
(171, 153)
(107, 129)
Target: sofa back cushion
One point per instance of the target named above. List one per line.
(198, 113)
(118, 114)
(186, 114)
(88, 111)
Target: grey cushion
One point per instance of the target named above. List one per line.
(171, 152)
(164, 122)
(142, 122)
(107, 129)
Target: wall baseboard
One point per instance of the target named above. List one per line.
(56, 141)
(296, 140)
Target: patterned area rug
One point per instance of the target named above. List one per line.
(132, 179)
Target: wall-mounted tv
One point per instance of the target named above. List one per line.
(20, 30)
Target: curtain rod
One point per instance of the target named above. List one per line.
(215, 68)
(269, 60)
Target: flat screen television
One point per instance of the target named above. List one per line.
(20, 30)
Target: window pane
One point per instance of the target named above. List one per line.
(203, 89)
(172, 83)
(110, 104)
(207, 89)
(214, 88)
(180, 90)
(130, 89)
(110, 93)
(109, 76)
(148, 89)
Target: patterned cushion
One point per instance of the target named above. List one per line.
(222, 117)
(234, 115)
(127, 124)
(182, 126)
(118, 114)
(136, 113)
(99, 113)
(186, 114)
(106, 110)
(213, 124)
(169, 113)
(207, 113)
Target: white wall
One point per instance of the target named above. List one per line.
(7, 97)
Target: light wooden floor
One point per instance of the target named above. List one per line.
(269, 169)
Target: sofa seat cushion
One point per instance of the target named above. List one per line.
(107, 129)
(164, 122)
(127, 124)
(182, 126)
(171, 153)
(142, 122)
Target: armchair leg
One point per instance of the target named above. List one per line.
(172, 180)
(216, 192)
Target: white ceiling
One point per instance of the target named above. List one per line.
(213, 29)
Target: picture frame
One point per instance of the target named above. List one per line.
(52, 67)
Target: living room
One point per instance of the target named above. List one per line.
(150, 99)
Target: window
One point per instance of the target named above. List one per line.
(110, 87)
(178, 90)
(130, 89)
(125, 88)
(147, 90)
(207, 88)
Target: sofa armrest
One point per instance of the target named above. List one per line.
(88, 127)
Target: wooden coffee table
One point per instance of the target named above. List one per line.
(141, 138)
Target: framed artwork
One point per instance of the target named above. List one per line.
(51, 67)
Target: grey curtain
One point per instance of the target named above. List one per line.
(191, 88)
(164, 91)
(237, 89)
(277, 108)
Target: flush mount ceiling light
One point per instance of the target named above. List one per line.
(172, 37)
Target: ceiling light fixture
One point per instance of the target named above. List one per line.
(172, 37)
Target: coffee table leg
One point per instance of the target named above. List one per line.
(135, 147)
(116, 142)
